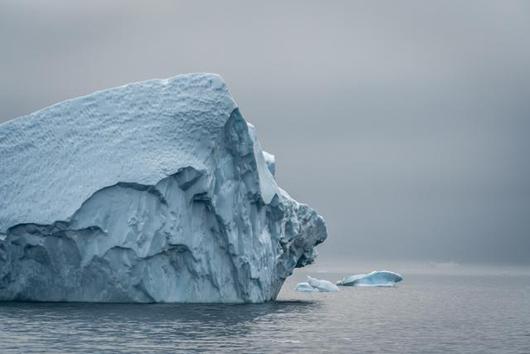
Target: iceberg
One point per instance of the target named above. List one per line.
(322, 285)
(157, 191)
(376, 278)
(316, 285)
(305, 287)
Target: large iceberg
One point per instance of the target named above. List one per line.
(375, 278)
(156, 191)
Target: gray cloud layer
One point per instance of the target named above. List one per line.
(405, 123)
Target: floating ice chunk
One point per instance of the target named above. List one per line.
(322, 285)
(376, 278)
(305, 287)
(316, 285)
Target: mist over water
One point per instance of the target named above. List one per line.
(404, 125)
(414, 267)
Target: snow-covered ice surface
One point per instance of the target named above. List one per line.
(156, 191)
(322, 285)
(375, 278)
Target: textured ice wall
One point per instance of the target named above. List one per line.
(155, 191)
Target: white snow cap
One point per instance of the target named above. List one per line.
(56, 158)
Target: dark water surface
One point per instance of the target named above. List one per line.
(425, 314)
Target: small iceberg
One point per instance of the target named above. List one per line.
(305, 287)
(322, 285)
(314, 284)
(376, 278)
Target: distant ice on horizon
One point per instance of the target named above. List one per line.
(381, 278)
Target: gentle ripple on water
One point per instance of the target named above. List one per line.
(425, 314)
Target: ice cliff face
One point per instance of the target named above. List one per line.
(151, 192)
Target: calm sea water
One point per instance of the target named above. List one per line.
(425, 314)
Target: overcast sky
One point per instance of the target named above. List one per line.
(405, 124)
